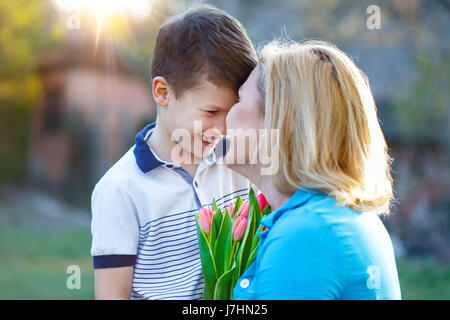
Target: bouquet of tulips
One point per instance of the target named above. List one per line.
(228, 242)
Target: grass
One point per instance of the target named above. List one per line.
(423, 279)
(34, 263)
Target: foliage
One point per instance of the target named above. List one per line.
(27, 28)
(225, 257)
(423, 114)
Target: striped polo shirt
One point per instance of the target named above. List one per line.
(143, 215)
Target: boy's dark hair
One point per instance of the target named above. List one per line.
(203, 41)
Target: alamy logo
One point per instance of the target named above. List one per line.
(373, 281)
(248, 146)
(74, 280)
(74, 20)
(374, 19)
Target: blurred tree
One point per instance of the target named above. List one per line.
(418, 108)
(423, 115)
(27, 28)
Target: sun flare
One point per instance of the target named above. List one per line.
(100, 9)
(138, 9)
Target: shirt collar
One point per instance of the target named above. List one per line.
(145, 158)
(298, 199)
(210, 159)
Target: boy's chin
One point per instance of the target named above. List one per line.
(196, 156)
(186, 155)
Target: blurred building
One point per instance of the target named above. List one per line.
(92, 106)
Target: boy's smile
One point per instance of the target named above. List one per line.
(208, 140)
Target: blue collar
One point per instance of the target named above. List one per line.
(298, 199)
(145, 158)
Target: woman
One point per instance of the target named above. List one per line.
(324, 239)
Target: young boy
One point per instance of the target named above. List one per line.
(144, 242)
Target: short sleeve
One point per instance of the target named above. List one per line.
(300, 261)
(114, 227)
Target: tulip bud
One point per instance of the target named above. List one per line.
(262, 201)
(244, 209)
(231, 209)
(239, 227)
(205, 219)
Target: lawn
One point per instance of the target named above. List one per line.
(423, 279)
(34, 263)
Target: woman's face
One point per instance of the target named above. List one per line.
(248, 112)
(244, 120)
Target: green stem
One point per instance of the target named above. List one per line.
(233, 245)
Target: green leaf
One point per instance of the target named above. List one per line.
(255, 241)
(228, 244)
(220, 246)
(254, 249)
(235, 268)
(223, 290)
(256, 208)
(214, 231)
(266, 211)
(252, 256)
(212, 236)
(218, 216)
(205, 293)
(207, 259)
(236, 207)
(214, 205)
(246, 244)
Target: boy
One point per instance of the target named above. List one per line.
(143, 209)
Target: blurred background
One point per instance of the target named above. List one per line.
(75, 89)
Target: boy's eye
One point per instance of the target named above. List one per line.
(212, 111)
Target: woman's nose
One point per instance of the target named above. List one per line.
(222, 126)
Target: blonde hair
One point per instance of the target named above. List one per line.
(329, 135)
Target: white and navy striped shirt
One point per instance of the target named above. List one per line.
(143, 215)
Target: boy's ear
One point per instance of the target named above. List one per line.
(160, 90)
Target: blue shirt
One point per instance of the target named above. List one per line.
(314, 249)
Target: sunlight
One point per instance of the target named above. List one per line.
(138, 9)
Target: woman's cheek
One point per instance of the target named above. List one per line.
(244, 116)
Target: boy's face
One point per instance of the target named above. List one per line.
(196, 118)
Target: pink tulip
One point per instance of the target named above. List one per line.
(230, 208)
(262, 201)
(239, 227)
(205, 219)
(244, 209)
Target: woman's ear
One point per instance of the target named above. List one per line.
(160, 90)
